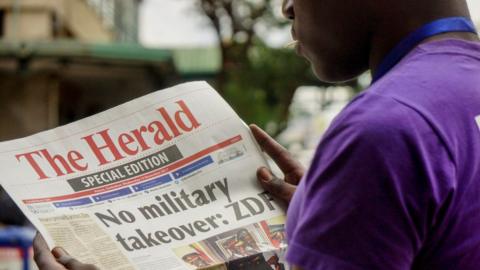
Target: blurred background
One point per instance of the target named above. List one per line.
(63, 60)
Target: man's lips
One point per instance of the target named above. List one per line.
(295, 43)
(292, 44)
(292, 32)
(298, 49)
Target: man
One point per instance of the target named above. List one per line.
(395, 181)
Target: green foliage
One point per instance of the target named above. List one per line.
(258, 81)
(261, 87)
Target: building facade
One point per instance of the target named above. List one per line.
(62, 60)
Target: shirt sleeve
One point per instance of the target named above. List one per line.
(373, 192)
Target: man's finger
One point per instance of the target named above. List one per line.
(278, 153)
(69, 262)
(42, 255)
(277, 187)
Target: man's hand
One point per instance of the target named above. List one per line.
(58, 259)
(291, 168)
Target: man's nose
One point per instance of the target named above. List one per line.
(287, 9)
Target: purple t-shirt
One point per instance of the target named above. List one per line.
(395, 181)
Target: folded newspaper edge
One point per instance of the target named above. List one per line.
(167, 180)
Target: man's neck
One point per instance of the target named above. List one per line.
(382, 47)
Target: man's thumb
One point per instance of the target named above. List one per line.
(277, 187)
(69, 262)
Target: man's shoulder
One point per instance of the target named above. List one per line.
(440, 84)
(372, 110)
(377, 118)
(444, 71)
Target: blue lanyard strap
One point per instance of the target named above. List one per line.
(453, 24)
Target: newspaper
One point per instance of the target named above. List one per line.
(166, 181)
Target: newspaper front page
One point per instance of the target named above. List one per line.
(166, 181)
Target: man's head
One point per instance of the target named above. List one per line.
(344, 38)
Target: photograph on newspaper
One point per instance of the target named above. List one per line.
(241, 246)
